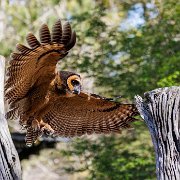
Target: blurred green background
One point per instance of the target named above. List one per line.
(123, 48)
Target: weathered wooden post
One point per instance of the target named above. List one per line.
(161, 111)
(10, 168)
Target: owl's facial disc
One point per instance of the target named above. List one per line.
(74, 84)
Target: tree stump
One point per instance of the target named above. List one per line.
(160, 110)
(10, 168)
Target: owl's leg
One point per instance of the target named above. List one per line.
(24, 119)
(31, 136)
(36, 129)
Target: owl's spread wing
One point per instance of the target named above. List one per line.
(87, 114)
(35, 66)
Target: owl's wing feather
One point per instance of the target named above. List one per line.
(34, 66)
(87, 114)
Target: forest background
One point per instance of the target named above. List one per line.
(123, 48)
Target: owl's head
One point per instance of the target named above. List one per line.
(69, 82)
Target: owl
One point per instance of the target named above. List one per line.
(50, 101)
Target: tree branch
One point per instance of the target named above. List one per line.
(161, 111)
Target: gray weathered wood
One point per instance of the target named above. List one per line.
(10, 168)
(161, 111)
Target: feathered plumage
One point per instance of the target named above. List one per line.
(46, 101)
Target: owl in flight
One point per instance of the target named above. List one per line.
(46, 100)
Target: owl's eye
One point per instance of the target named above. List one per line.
(75, 83)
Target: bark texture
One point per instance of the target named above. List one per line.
(10, 168)
(160, 109)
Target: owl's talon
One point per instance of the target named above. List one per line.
(47, 132)
(46, 129)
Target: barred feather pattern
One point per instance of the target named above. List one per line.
(30, 95)
(86, 114)
(25, 63)
(32, 41)
(33, 67)
(31, 136)
(44, 34)
(57, 32)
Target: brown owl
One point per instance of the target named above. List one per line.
(49, 101)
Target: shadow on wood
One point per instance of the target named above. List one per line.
(161, 111)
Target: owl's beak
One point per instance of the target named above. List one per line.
(77, 89)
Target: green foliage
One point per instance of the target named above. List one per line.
(149, 54)
(125, 156)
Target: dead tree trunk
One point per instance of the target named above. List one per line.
(10, 168)
(161, 111)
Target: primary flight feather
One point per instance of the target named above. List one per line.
(50, 101)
